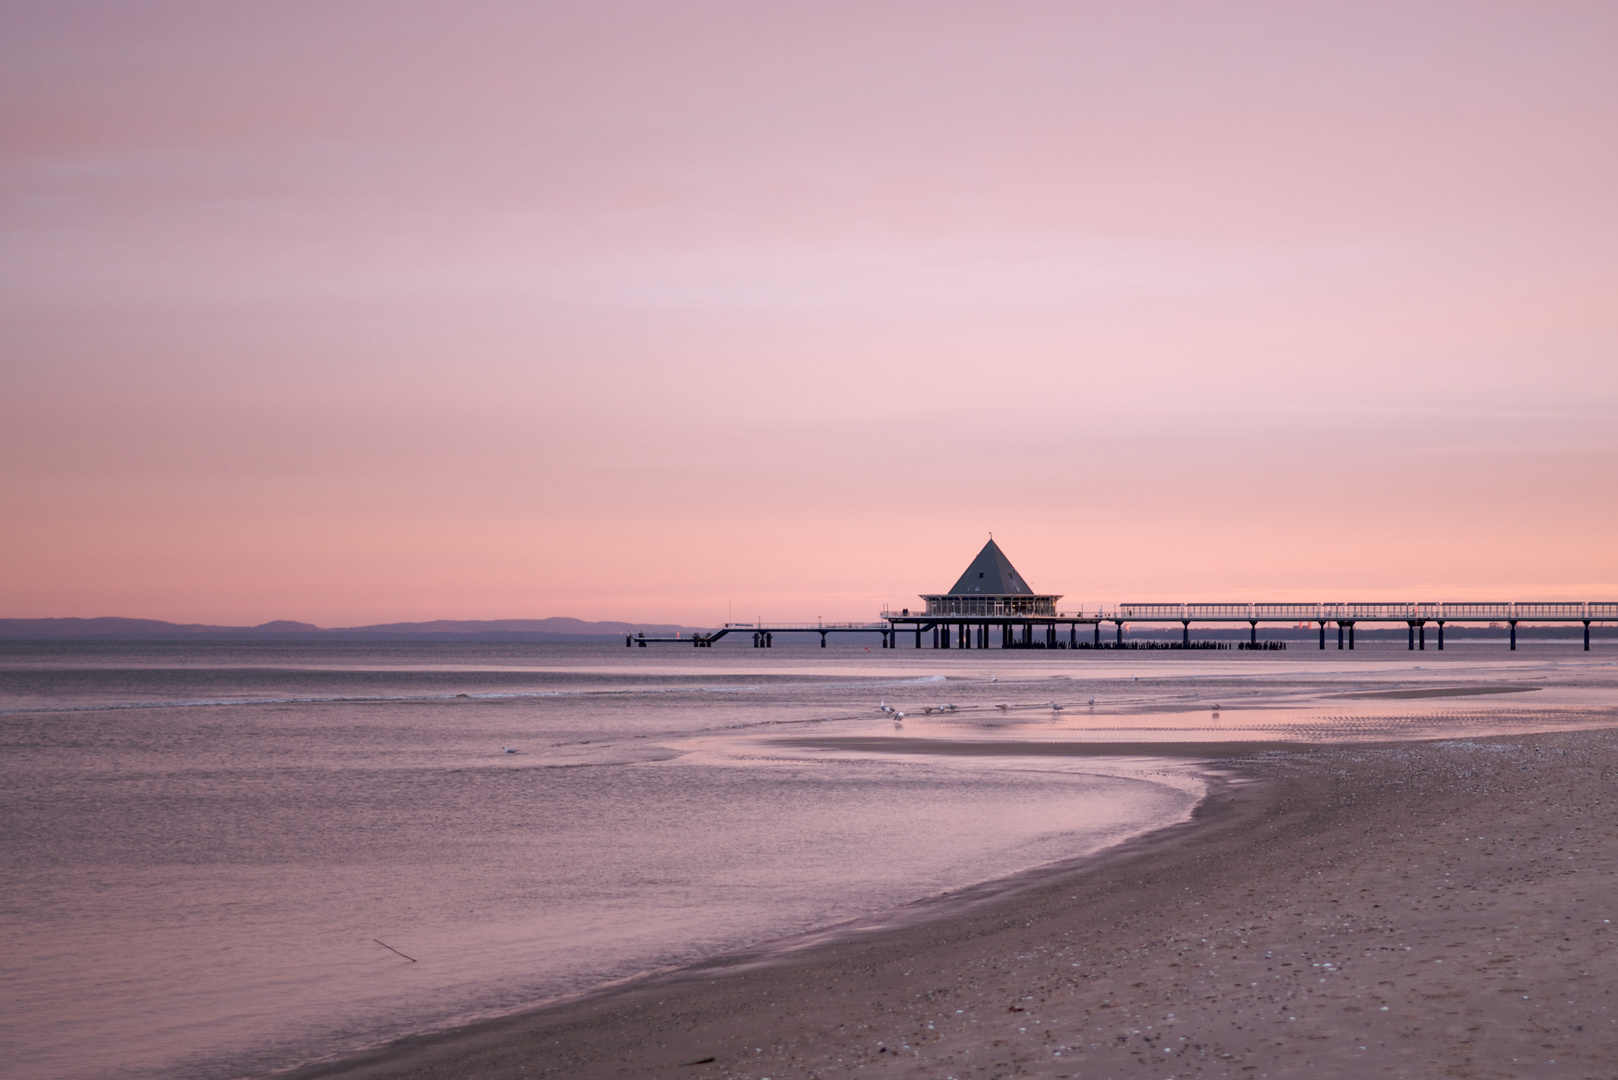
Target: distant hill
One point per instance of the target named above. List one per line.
(115, 629)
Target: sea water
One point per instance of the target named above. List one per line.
(223, 860)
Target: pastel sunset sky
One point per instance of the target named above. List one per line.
(352, 312)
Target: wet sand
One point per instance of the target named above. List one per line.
(1404, 909)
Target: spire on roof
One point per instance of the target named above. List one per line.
(991, 573)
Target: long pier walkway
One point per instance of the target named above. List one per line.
(1047, 631)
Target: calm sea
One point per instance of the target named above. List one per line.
(217, 859)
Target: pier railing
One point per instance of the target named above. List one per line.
(1469, 611)
(810, 627)
(1422, 611)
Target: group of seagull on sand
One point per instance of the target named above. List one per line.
(898, 715)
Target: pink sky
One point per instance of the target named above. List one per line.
(353, 312)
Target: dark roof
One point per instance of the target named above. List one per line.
(991, 573)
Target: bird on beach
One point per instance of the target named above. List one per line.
(1092, 701)
(1057, 708)
(1002, 708)
(508, 750)
(883, 706)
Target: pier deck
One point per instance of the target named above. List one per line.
(1019, 631)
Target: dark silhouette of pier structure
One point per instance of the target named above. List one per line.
(992, 606)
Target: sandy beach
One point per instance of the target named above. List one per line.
(1400, 909)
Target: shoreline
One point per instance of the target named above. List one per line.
(1302, 919)
(410, 1054)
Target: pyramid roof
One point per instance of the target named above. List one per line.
(992, 574)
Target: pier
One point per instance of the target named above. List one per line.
(992, 606)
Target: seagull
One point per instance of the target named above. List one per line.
(508, 750)
(1002, 708)
(1092, 701)
(898, 720)
(1055, 707)
(884, 706)
(946, 708)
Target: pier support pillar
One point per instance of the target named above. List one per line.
(1586, 635)
(1421, 637)
(1323, 637)
(1185, 633)
(1351, 635)
(823, 640)
(1073, 635)
(1098, 633)
(1513, 635)
(1410, 628)
(918, 637)
(1252, 632)
(1340, 634)
(769, 640)
(1120, 633)
(1440, 635)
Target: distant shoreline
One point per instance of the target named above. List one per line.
(112, 629)
(562, 629)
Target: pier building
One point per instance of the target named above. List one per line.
(991, 586)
